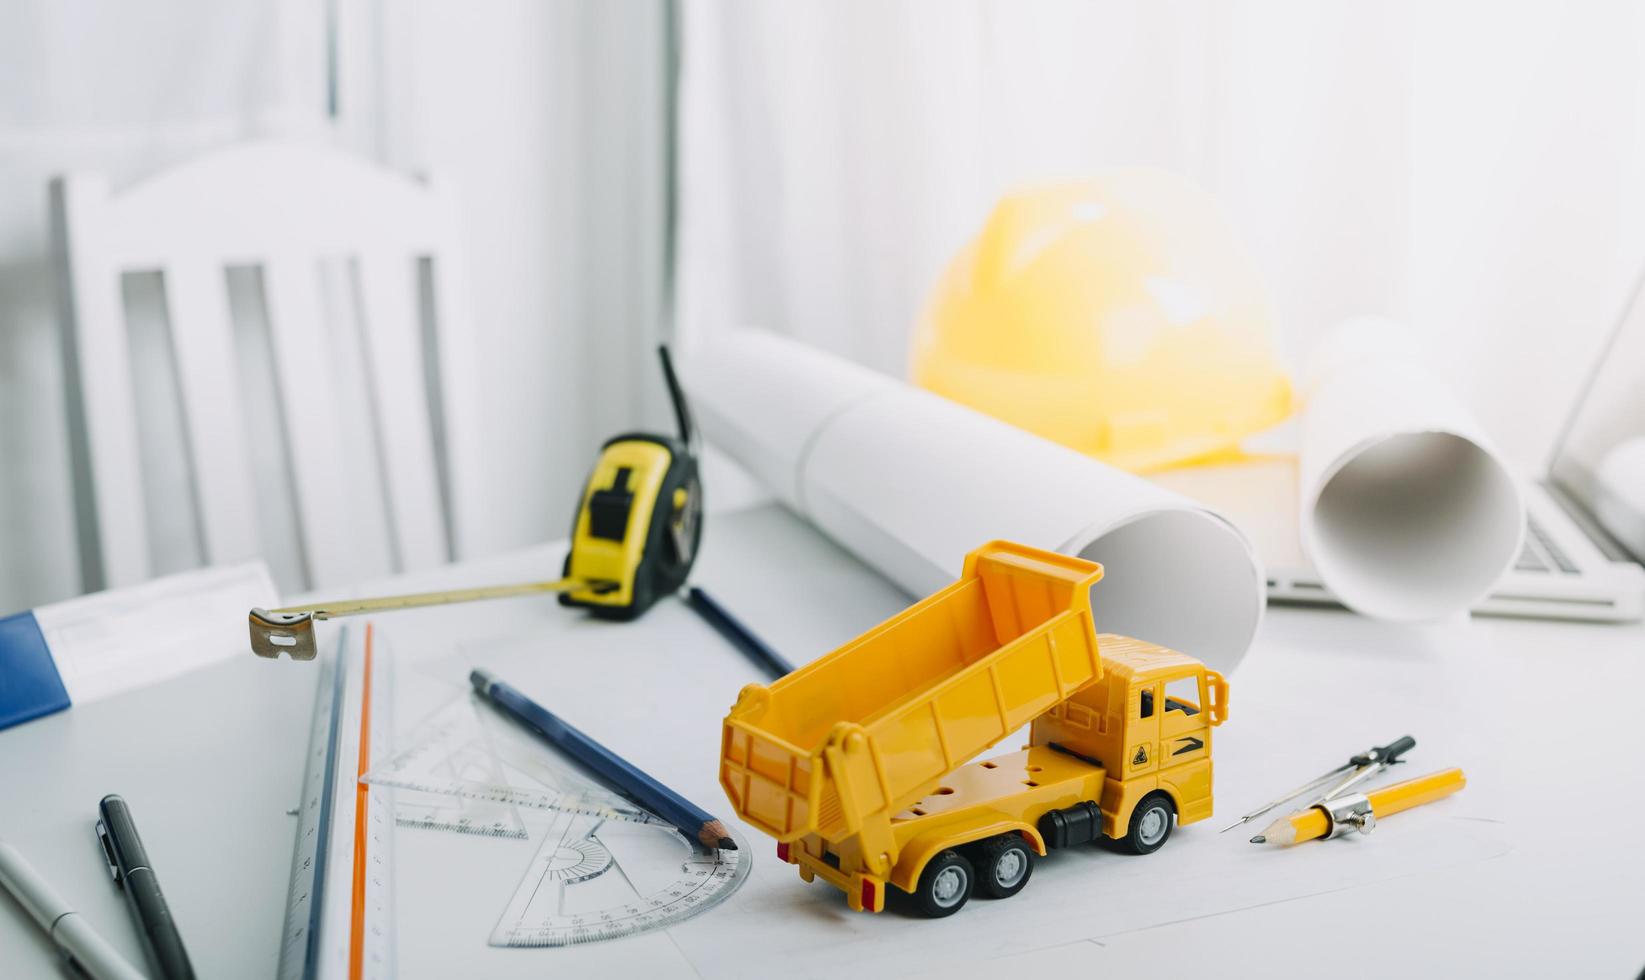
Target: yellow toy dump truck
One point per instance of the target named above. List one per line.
(856, 763)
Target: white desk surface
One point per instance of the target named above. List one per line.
(1534, 870)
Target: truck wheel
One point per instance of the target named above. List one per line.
(944, 885)
(1150, 825)
(1003, 866)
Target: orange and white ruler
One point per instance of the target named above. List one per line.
(339, 909)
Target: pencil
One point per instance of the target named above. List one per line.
(625, 777)
(737, 634)
(1314, 822)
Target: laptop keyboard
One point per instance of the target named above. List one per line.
(1541, 554)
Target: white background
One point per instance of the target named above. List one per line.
(1475, 168)
(1471, 167)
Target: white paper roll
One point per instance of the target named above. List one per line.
(910, 482)
(1408, 512)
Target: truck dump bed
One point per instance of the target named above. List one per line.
(876, 724)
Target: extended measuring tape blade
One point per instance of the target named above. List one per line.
(339, 906)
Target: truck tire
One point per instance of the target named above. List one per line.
(1003, 865)
(945, 885)
(1150, 825)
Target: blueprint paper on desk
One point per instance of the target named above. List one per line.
(1084, 893)
(87, 648)
(453, 888)
(656, 691)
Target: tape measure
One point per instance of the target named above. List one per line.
(634, 539)
(640, 519)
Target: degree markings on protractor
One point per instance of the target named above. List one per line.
(594, 879)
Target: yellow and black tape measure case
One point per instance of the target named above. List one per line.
(639, 524)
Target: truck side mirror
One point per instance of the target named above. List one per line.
(1218, 689)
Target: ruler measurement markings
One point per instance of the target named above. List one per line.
(355, 868)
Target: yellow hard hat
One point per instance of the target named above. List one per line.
(1115, 315)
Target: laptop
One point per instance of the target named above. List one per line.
(1584, 555)
(1584, 551)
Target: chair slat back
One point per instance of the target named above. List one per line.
(370, 367)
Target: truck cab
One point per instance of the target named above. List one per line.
(1148, 723)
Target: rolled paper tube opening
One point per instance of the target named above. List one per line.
(1170, 579)
(1415, 526)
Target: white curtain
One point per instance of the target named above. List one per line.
(121, 89)
(544, 119)
(1475, 168)
(547, 122)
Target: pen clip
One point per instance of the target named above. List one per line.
(108, 852)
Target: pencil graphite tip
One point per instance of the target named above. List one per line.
(1280, 833)
(713, 834)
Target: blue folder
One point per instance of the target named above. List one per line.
(29, 683)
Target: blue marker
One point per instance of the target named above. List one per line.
(625, 777)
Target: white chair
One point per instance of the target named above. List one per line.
(325, 418)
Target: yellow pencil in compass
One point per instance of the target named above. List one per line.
(1360, 811)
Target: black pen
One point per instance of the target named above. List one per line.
(129, 864)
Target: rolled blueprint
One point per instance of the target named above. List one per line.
(909, 482)
(1407, 510)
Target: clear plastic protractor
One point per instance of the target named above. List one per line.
(599, 877)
